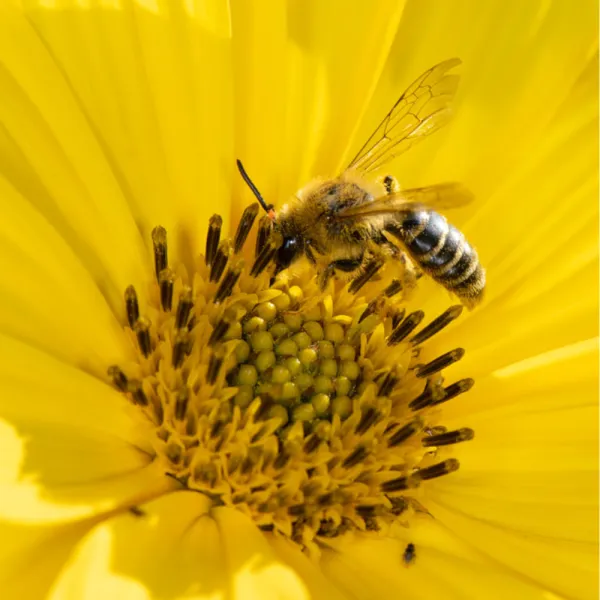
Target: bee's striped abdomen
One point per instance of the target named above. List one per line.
(442, 251)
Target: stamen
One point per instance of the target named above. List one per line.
(166, 281)
(402, 434)
(393, 288)
(180, 348)
(244, 227)
(437, 470)
(265, 225)
(266, 254)
(451, 437)
(369, 271)
(441, 362)
(355, 457)
(159, 242)
(212, 238)
(214, 366)
(139, 397)
(374, 306)
(119, 378)
(396, 485)
(142, 332)
(230, 279)
(387, 385)
(369, 417)
(132, 308)
(184, 307)
(219, 331)
(220, 260)
(455, 389)
(181, 403)
(405, 328)
(437, 324)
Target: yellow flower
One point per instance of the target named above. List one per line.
(120, 117)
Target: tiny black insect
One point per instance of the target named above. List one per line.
(409, 554)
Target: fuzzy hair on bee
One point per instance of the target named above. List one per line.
(349, 226)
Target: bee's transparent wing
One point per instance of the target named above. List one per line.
(437, 197)
(422, 109)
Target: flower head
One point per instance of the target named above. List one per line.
(176, 422)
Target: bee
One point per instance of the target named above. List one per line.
(409, 554)
(346, 218)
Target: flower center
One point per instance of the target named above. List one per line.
(308, 410)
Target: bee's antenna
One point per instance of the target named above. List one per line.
(268, 208)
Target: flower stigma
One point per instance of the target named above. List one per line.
(307, 409)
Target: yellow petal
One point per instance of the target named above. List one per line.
(171, 550)
(49, 142)
(48, 298)
(43, 548)
(306, 73)
(444, 567)
(70, 445)
(255, 571)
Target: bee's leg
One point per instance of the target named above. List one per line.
(391, 185)
(408, 272)
(326, 275)
(347, 266)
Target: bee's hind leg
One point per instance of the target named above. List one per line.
(391, 185)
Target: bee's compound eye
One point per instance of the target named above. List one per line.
(288, 252)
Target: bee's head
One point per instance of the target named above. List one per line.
(292, 246)
(288, 252)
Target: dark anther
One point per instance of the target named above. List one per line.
(450, 437)
(356, 456)
(368, 510)
(399, 505)
(228, 281)
(405, 328)
(267, 527)
(437, 470)
(159, 242)
(402, 434)
(397, 316)
(393, 288)
(369, 271)
(296, 510)
(119, 378)
(212, 238)
(430, 393)
(395, 485)
(132, 308)
(220, 260)
(137, 393)
(265, 225)
(266, 254)
(214, 366)
(441, 362)
(387, 385)
(184, 307)
(166, 282)
(219, 331)
(373, 307)
(455, 389)
(244, 226)
(181, 403)
(312, 443)
(369, 417)
(137, 511)
(437, 324)
(142, 332)
(180, 348)
(282, 459)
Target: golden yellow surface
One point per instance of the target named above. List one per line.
(118, 116)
